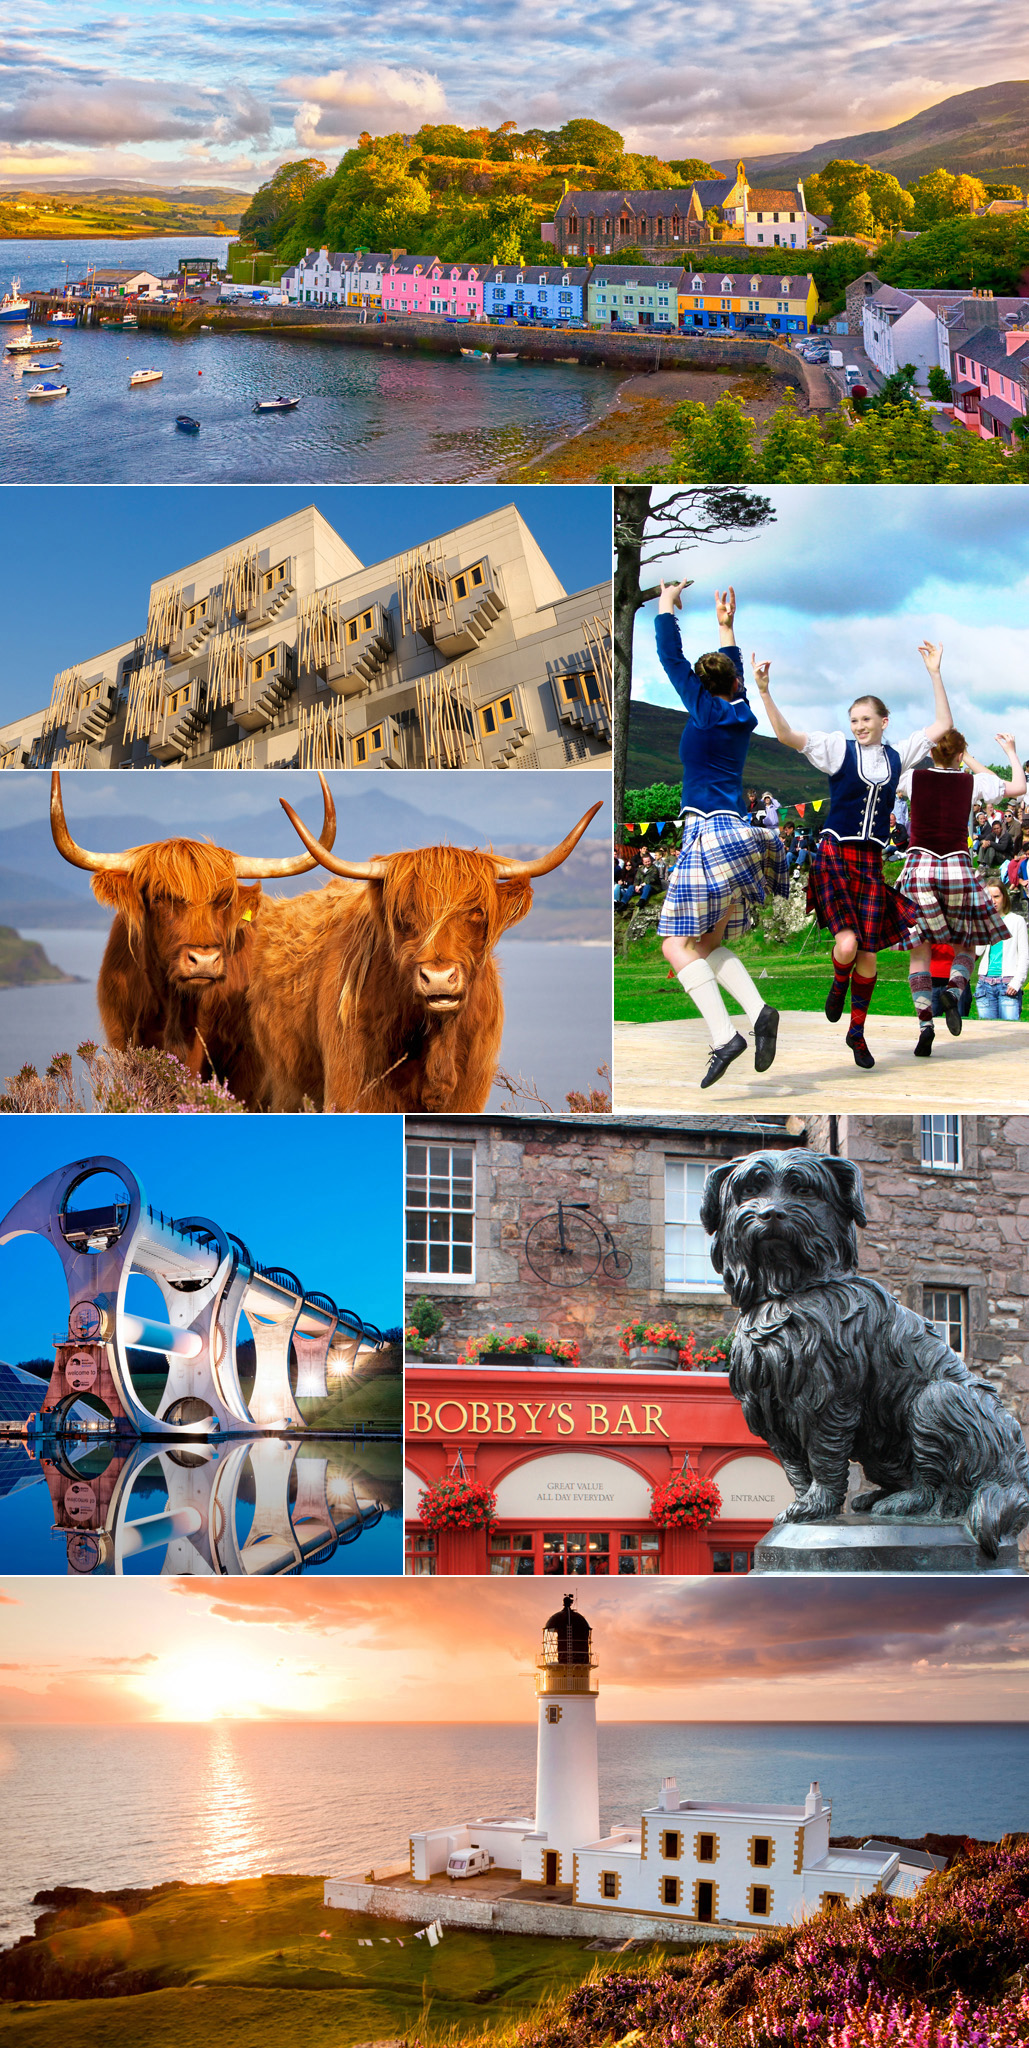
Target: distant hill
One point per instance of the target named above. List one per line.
(654, 734)
(984, 132)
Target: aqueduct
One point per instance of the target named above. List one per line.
(208, 1280)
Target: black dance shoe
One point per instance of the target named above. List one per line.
(766, 1026)
(722, 1056)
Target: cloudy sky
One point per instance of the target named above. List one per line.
(188, 92)
(838, 592)
(404, 1650)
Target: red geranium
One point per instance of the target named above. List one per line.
(452, 1503)
(685, 1502)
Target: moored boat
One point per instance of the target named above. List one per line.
(63, 320)
(26, 346)
(47, 391)
(507, 355)
(478, 355)
(278, 404)
(12, 305)
(187, 425)
(145, 377)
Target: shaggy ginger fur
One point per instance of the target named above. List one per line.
(334, 1000)
(829, 1367)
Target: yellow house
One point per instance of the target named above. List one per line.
(735, 301)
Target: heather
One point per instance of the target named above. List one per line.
(948, 1968)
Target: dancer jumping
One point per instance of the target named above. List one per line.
(847, 890)
(726, 866)
(950, 901)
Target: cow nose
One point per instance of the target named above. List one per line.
(203, 959)
(437, 981)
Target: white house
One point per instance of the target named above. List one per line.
(319, 279)
(745, 1863)
(901, 327)
(770, 217)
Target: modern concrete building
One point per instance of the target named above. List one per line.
(286, 651)
(681, 1865)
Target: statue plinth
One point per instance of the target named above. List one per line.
(881, 1546)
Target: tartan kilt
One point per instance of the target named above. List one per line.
(726, 867)
(847, 892)
(949, 900)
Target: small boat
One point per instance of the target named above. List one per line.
(63, 320)
(47, 391)
(507, 355)
(25, 346)
(40, 369)
(187, 425)
(130, 320)
(12, 305)
(278, 404)
(478, 355)
(145, 377)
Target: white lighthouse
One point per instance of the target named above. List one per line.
(567, 1787)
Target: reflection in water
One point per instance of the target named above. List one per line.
(227, 1818)
(256, 1507)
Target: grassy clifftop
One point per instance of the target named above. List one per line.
(23, 961)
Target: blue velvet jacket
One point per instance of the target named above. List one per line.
(715, 738)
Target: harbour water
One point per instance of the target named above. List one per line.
(366, 415)
(557, 1005)
(230, 1800)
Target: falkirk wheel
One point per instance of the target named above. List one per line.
(208, 1280)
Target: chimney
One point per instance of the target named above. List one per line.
(669, 1801)
(813, 1802)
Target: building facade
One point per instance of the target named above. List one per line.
(645, 295)
(989, 382)
(537, 293)
(573, 1450)
(598, 224)
(287, 651)
(735, 301)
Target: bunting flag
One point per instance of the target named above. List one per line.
(783, 809)
(630, 828)
(817, 802)
(644, 824)
(659, 824)
(800, 809)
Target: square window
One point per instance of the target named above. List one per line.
(440, 1210)
(946, 1311)
(687, 1253)
(941, 1143)
(609, 1884)
(671, 1844)
(669, 1891)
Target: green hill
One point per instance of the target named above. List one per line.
(984, 132)
(654, 757)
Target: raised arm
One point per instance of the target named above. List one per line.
(1017, 785)
(780, 726)
(932, 655)
(725, 613)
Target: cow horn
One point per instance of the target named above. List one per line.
(298, 863)
(351, 870)
(525, 870)
(97, 863)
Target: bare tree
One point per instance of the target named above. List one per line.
(647, 532)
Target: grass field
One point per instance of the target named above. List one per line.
(247, 1963)
(794, 976)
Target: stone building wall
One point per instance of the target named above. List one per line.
(938, 1228)
(524, 1168)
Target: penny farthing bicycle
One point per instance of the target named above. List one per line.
(566, 1248)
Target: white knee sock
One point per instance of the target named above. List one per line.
(734, 976)
(699, 982)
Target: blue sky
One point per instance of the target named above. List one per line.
(323, 1198)
(111, 542)
(840, 590)
(186, 92)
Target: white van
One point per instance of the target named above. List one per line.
(853, 375)
(471, 1862)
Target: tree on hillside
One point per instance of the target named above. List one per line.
(512, 223)
(1004, 192)
(890, 444)
(585, 142)
(647, 533)
(690, 167)
(861, 201)
(940, 195)
(275, 204)
(534, 143)
(990, 254)
(446, 140)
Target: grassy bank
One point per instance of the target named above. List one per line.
(247, 1962)
(794, 976)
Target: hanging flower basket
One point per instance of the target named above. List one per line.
(686, 1502)
(457, 1504)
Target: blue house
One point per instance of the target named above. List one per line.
(541, 294)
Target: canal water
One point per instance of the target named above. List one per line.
(365, 415)
(245, 1494)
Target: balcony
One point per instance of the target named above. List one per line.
(192, 633)
(181, 720)
(476, 601)
(367, 643)
(275, 587)
(90, 718)
(266, 692)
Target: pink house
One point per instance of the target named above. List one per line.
(428, 285)
(987, 372)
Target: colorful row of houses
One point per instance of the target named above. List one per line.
(604, 295)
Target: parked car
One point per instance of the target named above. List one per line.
(852, 374)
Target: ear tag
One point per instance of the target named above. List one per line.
(247, 916)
